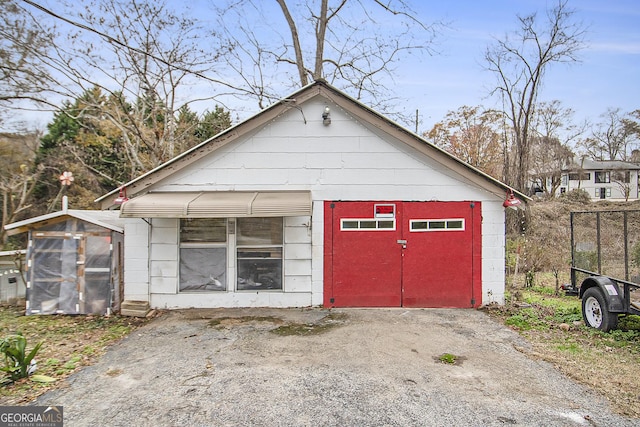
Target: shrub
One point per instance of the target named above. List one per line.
(578, 195)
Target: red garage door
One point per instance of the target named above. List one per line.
(409, 254)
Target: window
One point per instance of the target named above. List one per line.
(602, 177)
(622, 176)
(436, 224)
(203, 254)
(259, 253)
(584, 176)
(367, 224)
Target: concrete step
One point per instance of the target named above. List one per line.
(134, 308)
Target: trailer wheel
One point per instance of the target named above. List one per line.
(595, 313)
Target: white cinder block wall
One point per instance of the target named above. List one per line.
(136, 260)
(343, 161)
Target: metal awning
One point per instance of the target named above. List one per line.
(218, 204)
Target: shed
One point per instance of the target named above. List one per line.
(73, 262)
(316, 200)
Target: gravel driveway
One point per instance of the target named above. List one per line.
(343, 367)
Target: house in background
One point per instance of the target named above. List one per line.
(611, 180)
(316, 200)
(73, 261)
(12, 285)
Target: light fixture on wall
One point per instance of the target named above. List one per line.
(512, 201)
(122, 196)
(326, 116)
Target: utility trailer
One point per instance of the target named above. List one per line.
(605, 261)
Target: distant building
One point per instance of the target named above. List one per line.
(610, 179)
(12, 286)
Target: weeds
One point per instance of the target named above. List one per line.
(448, 358)
(71, 342)
(607, 362)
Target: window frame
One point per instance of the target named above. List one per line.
(246, 248)
(368, 221)
(602, 177)
(203, 245)
(447, 222)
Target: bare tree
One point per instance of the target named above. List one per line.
(26, 76)
(158, 54)
(17, 179)
(353, 44)
(519, 62)
(553, 134)
(622, 179)
(613, 138)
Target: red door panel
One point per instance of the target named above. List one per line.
(442, 259)
(365, 268)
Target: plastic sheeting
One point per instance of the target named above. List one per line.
(72, 269)
(203, 269)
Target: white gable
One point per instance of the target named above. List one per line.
(344, 160)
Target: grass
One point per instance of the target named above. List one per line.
(70, 342)
(609, 363)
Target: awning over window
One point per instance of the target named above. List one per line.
(218, 204)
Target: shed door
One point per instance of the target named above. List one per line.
(442, 262)
(364, 258)
(411, 254)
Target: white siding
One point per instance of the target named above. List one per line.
(164, 256)
(493, 253)
(343, 161)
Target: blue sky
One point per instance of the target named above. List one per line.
(608, 75)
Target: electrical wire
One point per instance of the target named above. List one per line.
(119, 43)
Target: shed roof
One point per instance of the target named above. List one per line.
(107, 219)
(142, 184)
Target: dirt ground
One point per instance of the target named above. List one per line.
(340, 367)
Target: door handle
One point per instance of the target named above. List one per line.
(403, 243)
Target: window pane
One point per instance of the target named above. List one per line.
(419, 225)
(349, 224)
(368, 224)
(454, 224)
(386, 225)
(259, 231)
(602, 177)
(436, 225)
(197, 230)
(203, 269)
(259, 268)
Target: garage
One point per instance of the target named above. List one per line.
(289, 209)
(403, 254)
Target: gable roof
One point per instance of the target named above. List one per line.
(358, 110)
(106, 219)
(588, 164)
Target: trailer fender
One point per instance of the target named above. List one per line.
(610, 289)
